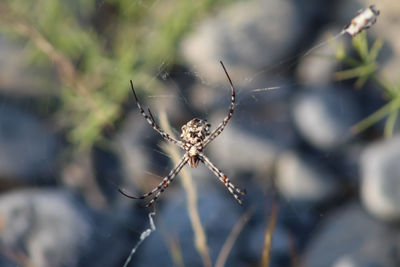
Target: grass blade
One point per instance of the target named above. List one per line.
(230, 241)
(269, 230)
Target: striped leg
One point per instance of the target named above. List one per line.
(222, 125)
(150, 119)
(233, 189)
(164, 183)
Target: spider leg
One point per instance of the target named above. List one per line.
(163, 185)
(233, 189)
(222, 125)
(150, 119)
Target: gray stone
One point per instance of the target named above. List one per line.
(303, 179)
(318, 65)
(45, 225)
(349, 237)
(8, 261)
(353, 261)
(324, 117)
(386, 30)
(245, 43)
(380, 184)
(27, 148)
(16, 79)
(237, 150)
(114, 233)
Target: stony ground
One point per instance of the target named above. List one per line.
(338, 194)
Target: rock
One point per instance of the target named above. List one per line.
(114, 233)
(260, 126)
(357, 261)
(384, 29)
(349, 237)
(324, 117)
(8, 262)
(380, 184)
(318, 65)
(304, 179)
(237, 150)
(244, 43)
(16, 79)
(44, 225)
(27, 148)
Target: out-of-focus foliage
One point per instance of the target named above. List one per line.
(95, 48)
(365, 66)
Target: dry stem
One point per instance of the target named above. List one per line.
(187, 181)
(230, 241)
(269, 230)
(64, 67)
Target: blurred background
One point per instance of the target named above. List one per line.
(314, 138)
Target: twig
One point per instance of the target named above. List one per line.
(145, 234)
(64, 67)
(230, 241)
(200, 239)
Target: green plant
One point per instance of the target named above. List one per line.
(363, 67)
(95, 48)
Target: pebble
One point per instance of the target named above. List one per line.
(380, 183)
(16, 78)
(318, 65)
(45, 225)
(304, 179)
(27, 148)
(324, 117)
(238, 151)
(349, 237)
(244, 43)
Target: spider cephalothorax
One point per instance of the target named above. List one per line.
(195, 136)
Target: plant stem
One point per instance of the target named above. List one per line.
(376, 116)
(200, 239)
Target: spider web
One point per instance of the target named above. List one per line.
(179, 91)
(179, 86)
(179, 94)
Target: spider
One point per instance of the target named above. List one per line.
(195, 137)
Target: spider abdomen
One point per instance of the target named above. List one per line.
(195, 131)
